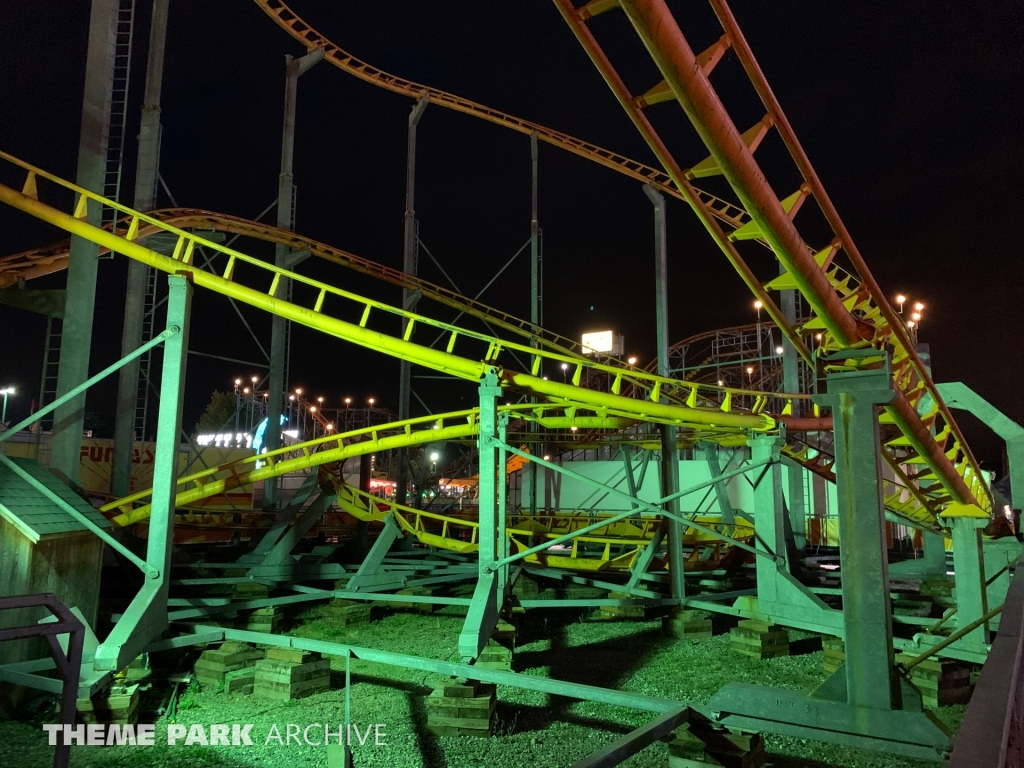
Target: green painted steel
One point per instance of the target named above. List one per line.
(87, 383)
(146, 616)
(513, 679)
(65, 507)
(969, 572)
(854, 396)
(487, 599)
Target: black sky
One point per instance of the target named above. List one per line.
(910, 112)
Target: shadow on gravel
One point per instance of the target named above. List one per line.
(804, 646)
(605, 664)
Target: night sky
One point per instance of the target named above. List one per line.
(910, 112)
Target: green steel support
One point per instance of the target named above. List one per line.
(658, 507)
(854, 397)
(83, 261)
(959, 395)
(156, 340)
(791, 383)
(483, 610)
(969, 570)
(284, 519)
(779, 594)
(283, 255)
(864, 704)
(146, 617)
(711, 456)
(502, 547)
(281, 553)
(933, 560)
(371, 574)
(410, 265)
(536, 299)
(669, 451)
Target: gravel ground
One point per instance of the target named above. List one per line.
(531, 728)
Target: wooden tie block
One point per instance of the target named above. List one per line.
(342, 583)
(461, 708)
(418, 607)
(693, 625)
(118, 706)
(284, 680)
(495, 656)
(940, 681)
(759, 640)
(347, 613)
(213, 665)
(582, 592)
(621, 611)
(698, 746)
(939, 589)
(261, 620)
(250, 590)
(504, 633)
(240, 681)
(833, 653)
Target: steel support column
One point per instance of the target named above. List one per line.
(285, 220)
(83, 260)
(487, 598)
(409, 298)
(536, 299)
(969, 570)
(669, 449)
(146, 171)
(855, 397)
(146, 617)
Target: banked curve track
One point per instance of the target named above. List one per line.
(848, 303)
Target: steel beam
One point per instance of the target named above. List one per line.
(487, 597)
(146, 617)
(282, 256)
(854, 397)
(147, 170)
(83, 259)
(669, 467)
(409, 298)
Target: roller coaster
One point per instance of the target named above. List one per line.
(849, 329)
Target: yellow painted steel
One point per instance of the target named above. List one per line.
(487, 351)
(333, 448)
(948, 459)
(713, 211)
(709, 411)
(614, 549)
(854, 311)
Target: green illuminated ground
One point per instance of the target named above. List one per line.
(531, 728)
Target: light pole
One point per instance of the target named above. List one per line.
(5, 392)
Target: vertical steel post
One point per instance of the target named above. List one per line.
(536, 298)
(146, 172)
(669, 450)
(791, 383)
(410, 267)
(146, 618)
(854, 397)
(769, 520)
(969, 571)
(285, 218)
(83, 261)
(483, 610)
